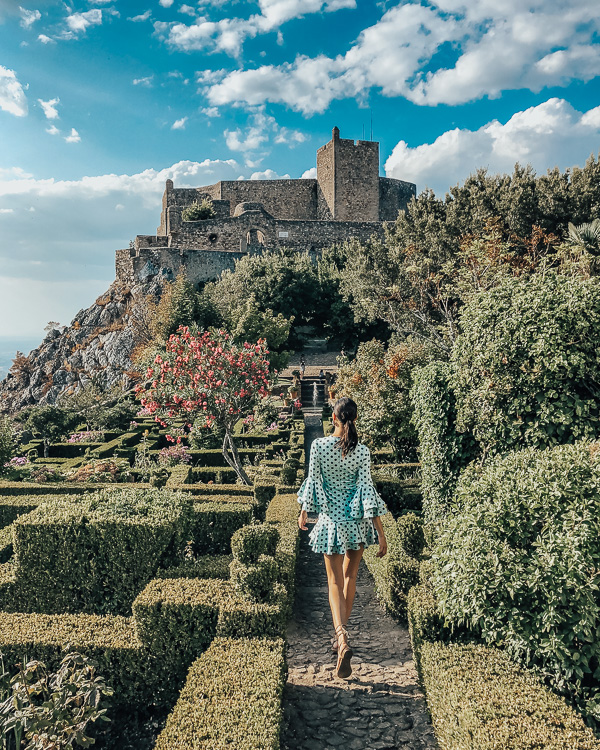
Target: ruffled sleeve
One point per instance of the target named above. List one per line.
(366, 502)
(311, 494)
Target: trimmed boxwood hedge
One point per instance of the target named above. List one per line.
(13, 506)
(214, 523)
(283, 507)
(480, 700)
(231, 699)
(94, 553)
(396, 573)
(399, 495)
(205, 566)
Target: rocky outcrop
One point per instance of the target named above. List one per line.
(99, 342)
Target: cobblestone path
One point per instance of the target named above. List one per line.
(381, 706)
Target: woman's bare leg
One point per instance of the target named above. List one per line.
(335, 581)
(352, 560)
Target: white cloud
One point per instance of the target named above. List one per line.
(29, 17)
(142, 17)
(229, 34)
(310, 174)
(74, 137)
(187, 10)
(210, 111)
(12, 96)
(49, 108)
(259, 132)
(550, 134)
(7, 210)
(179, 124)
(80, 22)
(166, 3)
(269, 174)
(515, 44)
(53, 130)
(147, 81)
(46, 39)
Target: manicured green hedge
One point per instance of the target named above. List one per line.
(205, 566)
(13, 506)
(218, 475)
(179, 475)
(283, 507)
(442, 450)
(480, 700)
(214, 457)
(396, 573)
(398, 495)
(6, 543)
(231, 699)
(126, 440)
(49, 488)
(214, 523)
(110, 641)
(94, 553)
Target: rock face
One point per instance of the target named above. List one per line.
(99, 342)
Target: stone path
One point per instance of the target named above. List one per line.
(381, 706)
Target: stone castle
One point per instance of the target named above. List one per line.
(347, 199)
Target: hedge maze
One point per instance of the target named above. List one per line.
(187, 586)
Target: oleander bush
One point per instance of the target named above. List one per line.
(519, 562)
(231, 699)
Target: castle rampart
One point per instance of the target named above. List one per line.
(348, 199)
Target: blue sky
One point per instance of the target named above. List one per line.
(100, 102)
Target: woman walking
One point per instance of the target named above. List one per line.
(340, 489)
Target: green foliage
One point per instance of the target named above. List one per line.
(443, 451)
(232, 698)
(480, 700)
(214, 524)
(284, 282)
(379, 380)
(396, 573)
(255, 580)
(248, 322)
(199, 210)
(250, 542)
(49, 422)
(94, 553)
(98, 407)
(180, 305)
(53, 710)
(526, 370)
(8, 440)
(519, 562)
(425, 624)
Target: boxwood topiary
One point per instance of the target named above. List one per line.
(250, 542)
(520, 562)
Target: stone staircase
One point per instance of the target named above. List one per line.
(313, 394)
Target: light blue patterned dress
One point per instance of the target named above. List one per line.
(341, 491)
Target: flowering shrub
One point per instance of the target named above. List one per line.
(16, 462)
(89, 436)
(207, 375)
(297, 404)
(41, 473)
(133, 425)
(108, 470)
(143, 413)
(174, 455)
(272, 426)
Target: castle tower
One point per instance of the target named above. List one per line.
(348, 179)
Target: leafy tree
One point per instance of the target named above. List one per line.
(97, 406)
(379, 380)
(180, 305)
(250, 323)
(8, 440)
(207, 374)
(284, 281)
(49, 422)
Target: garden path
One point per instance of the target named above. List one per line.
(381, 706)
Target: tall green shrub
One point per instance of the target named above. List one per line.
(442, 450)
(520, 562)
(526, 366)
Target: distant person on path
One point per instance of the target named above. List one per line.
(302, 367)
(340, 489)
(321, 375)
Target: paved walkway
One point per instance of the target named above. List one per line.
(381, 706)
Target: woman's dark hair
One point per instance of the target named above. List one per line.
(345, 412)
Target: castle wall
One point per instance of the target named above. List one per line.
(394, 196)
(326, 180)
(356, 180)
(286, 199)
